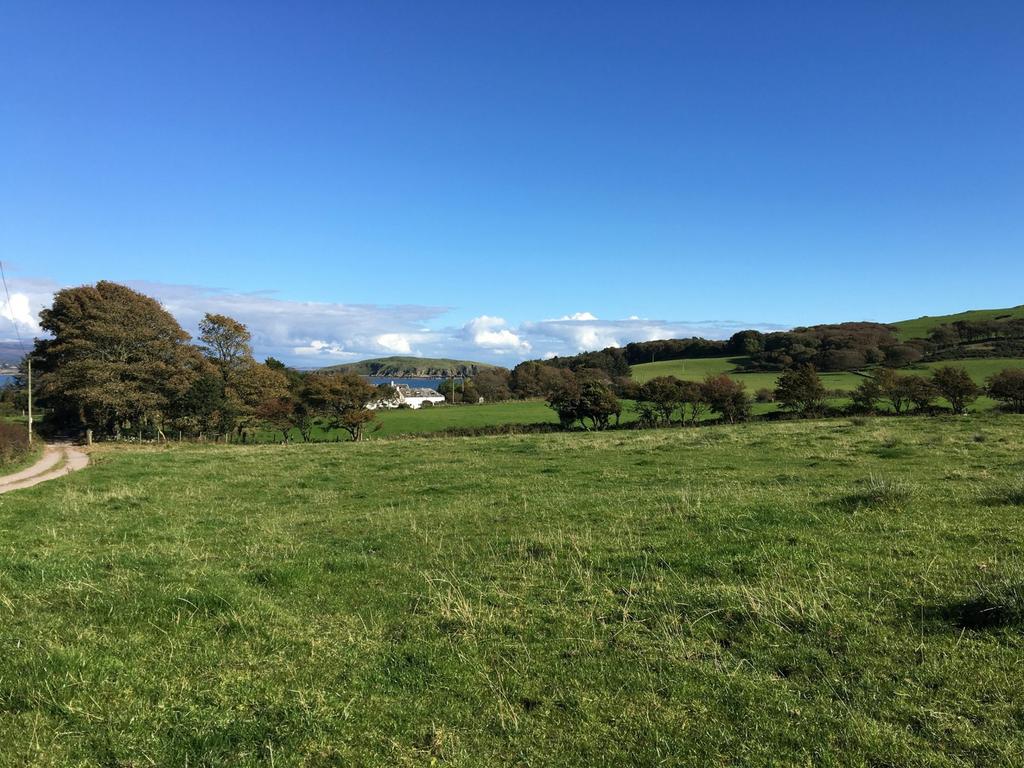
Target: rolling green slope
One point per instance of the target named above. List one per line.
(919, 327)
(697, 369)
(402, 367)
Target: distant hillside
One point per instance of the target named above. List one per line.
(918, 328)
(11, 352)
(406, 367)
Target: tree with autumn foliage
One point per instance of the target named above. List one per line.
(341, 400)
(115, 359)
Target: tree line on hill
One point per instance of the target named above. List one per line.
(831, 347)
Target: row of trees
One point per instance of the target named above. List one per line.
(974, 331)
(800, 390)
(118, 362)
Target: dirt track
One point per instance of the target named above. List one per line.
(49, 467)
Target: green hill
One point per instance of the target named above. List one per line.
(406, 367)
(919, 327)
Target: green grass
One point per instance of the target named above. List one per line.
(697, 369)
(804, 593)
(918, 328)
(979, 369)
(409, 421)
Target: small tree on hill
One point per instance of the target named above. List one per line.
(664, 394)
(894, 388)
(693, 397)
(867, 394)
(956, 385)
(582, 397)
(598, 402)
(1007, 387)
(800, 389)
(919, 391)
(565, 401)
(727, 396)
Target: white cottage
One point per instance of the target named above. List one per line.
(413, 397)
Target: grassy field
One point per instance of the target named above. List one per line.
(409, 421)
(804, 593)
(695, 370)
(919, 328)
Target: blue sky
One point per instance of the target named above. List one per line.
(508, 180)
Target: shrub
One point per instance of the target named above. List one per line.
(13, 442)
(956, 385)
(1007, 387)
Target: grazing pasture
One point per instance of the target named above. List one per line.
(844, 592)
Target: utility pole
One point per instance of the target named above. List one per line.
(30, 400)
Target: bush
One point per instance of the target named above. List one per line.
(13, 442)
(764, 395)
(1007, 387)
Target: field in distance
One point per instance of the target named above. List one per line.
(763, 595)
(697, 369)
(919, 327)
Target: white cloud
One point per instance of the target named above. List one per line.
(19, 311)
(20, 316)
(490, 333)
(583, 331)
(317, 347)
(394, 342)
(320, 333)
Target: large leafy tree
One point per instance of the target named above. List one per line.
(114, 357)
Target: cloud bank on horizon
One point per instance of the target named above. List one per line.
(313, 334)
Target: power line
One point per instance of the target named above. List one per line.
(10, 309)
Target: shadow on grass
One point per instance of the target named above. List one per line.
(1010, 495)
(993, 606)
(877, 493)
